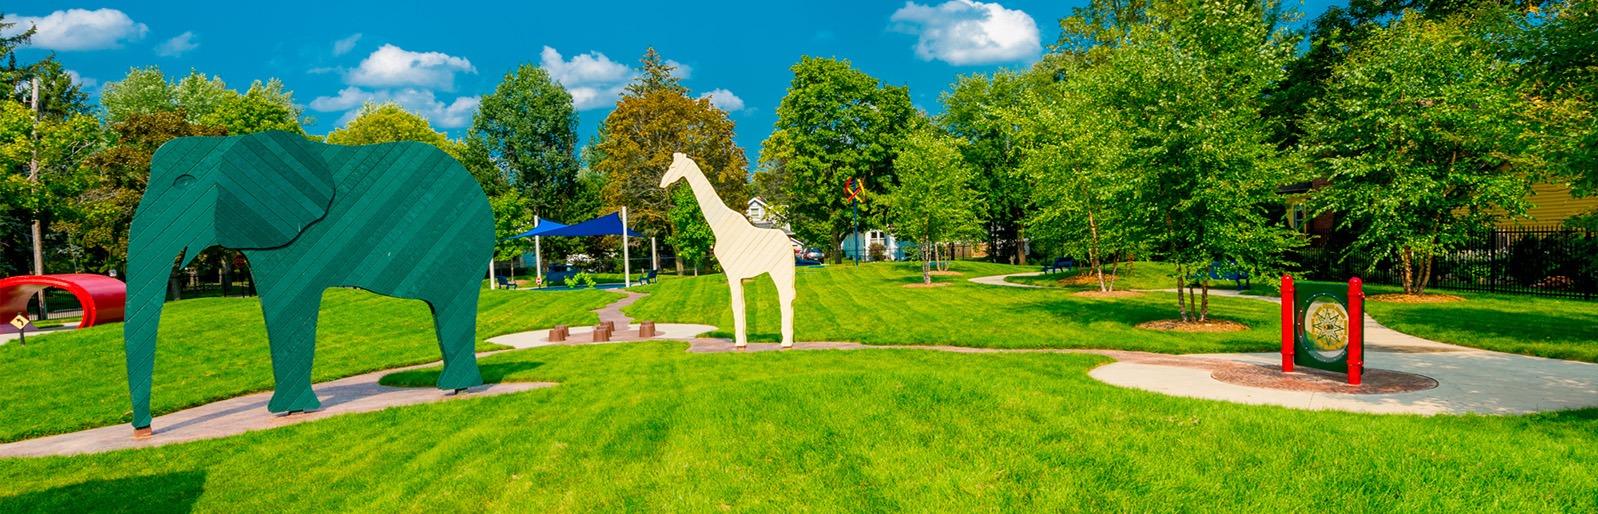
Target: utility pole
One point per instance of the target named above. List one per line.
(33, 176)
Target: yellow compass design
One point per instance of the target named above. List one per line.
(1326, 327)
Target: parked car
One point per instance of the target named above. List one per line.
(814, 254)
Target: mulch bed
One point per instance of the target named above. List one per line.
(919, 285)
(1084, 279)
(1176, 325)
(1106, 294)
(949, 273)
(1374, 381)
(1414, 298)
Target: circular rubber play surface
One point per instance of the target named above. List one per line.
(1374, 381)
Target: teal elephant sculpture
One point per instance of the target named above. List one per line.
(399, 219)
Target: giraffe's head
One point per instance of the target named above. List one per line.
(680, 165)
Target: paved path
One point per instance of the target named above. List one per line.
(999, 280)
(360, 393)
(10, 334)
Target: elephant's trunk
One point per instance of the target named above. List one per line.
(150, 255)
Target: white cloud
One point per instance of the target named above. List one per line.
(593, 80)
(392, 66)
(455, 114)
(343, 46)
(79, 29)
(177, 46)
(682, 71)
(82, 81)
(583, 69)
(724, 100)
(962, 32)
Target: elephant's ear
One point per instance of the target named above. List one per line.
(272, 185)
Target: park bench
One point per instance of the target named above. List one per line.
(1226, 271)
(649, 278)
(1060, 264)
(505, 282)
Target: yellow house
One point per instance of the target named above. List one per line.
(1553, 205)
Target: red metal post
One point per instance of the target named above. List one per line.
(1287, 323)
(1356, 330)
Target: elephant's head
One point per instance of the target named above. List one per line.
(244, 192)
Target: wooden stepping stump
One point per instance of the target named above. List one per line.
(559, 333)
(646, 329)
(601, 334)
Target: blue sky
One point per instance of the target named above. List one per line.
(438, 57)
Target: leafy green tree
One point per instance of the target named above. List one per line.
(690, 234)
(204, 101)
(143, 91)
(511, 217)
(1561, 69)
(1087, 200)
(834, 124)
(262, 108)
(1421, 135)
(974, 113)
(59, 147)
(387, 122)
(529, 131)
(1187, 88)
(933, 202)
(654, 119)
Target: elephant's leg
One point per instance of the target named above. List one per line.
(782, 277)
(742, 334)
(291, 330)
(455, 322)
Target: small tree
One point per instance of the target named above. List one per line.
(690, 234)
(511, 216)
(933, 200)
(1086, 198)
(1420, 134)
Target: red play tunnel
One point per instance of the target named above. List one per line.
(102, 297)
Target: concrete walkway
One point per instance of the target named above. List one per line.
(360, 393)
(11, 334)
(999, 280)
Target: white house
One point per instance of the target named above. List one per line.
(895, 251)
(759, 213)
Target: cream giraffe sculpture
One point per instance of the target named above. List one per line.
(744, 250)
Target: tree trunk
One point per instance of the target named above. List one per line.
(1406, 260)
(1204, 310)
(1181, 284)
(1093, 251)
(1115, 270)
(926, 260)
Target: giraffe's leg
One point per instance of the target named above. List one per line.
(737, 285)
(782, 277)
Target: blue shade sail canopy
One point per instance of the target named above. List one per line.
(544, 226)
(607, 225)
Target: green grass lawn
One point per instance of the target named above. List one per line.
(648, 427)
(869, 304)
(215, 348)
(1528, 325)
(1144, 275)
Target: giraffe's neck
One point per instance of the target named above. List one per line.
(715, 211)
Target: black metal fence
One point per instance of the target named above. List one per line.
(1543, 261)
